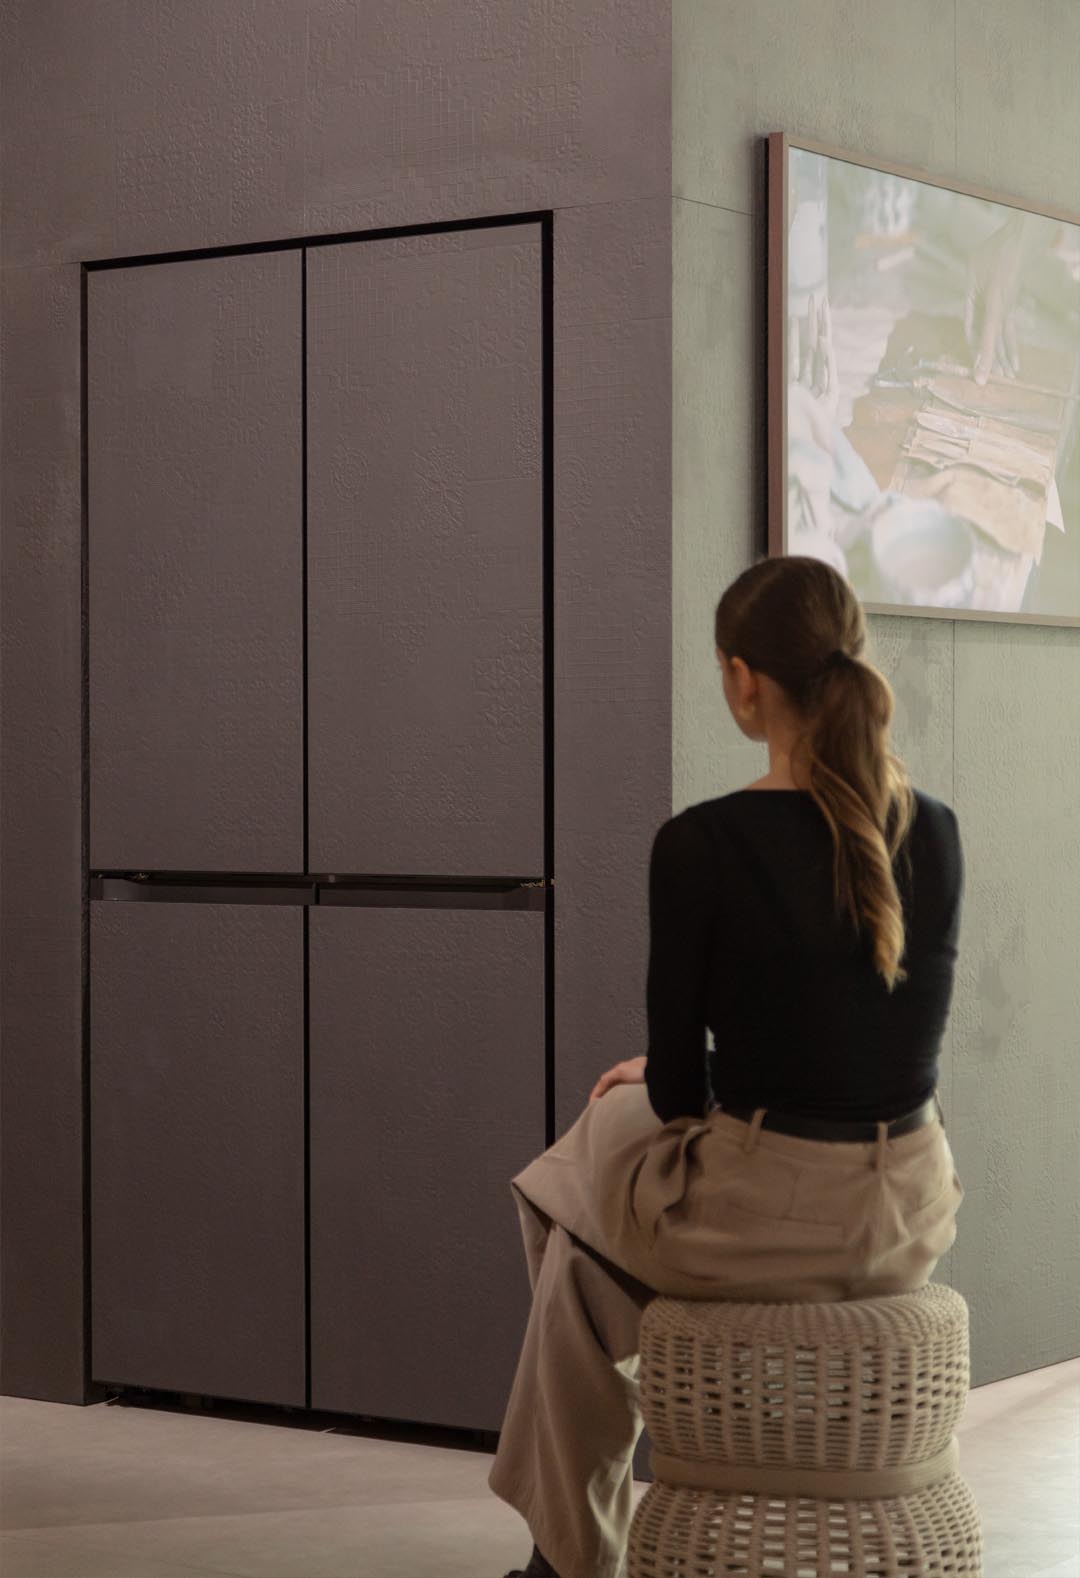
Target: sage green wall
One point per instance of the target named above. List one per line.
(988, 715)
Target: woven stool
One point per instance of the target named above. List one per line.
(805, 1440)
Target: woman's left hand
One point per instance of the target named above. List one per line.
(630, 1072)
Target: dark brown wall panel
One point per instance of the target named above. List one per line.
(613, 625)
(135, 132)
(195, 546)
(197, 1148)
(427, 1096)
(149, 127)
(41, 1191)
(426, 553)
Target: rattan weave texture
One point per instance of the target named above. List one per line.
(854, 1388)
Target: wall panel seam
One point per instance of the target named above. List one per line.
(723, 208)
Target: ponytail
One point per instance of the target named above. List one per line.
(798, 621)
(864, 793)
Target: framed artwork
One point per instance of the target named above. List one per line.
(924, 388)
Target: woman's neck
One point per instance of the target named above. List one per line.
(782, 773)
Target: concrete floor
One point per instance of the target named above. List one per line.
(147, 1492)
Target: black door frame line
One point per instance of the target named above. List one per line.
(97, 1391)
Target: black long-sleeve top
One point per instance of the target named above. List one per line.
(745, 940)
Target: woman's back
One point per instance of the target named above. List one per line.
(745, 938)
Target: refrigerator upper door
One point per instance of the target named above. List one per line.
(425, 530)
(195, 565)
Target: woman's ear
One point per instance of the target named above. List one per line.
(741, 679)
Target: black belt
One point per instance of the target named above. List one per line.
(832, 1129)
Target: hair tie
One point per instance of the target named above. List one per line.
(837, 659)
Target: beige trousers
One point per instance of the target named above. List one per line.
(623, 1207)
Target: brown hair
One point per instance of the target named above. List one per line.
(797, 620)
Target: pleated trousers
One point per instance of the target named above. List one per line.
(623, 1207)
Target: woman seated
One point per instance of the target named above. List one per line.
(810, 921)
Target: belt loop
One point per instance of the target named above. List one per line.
(754, 1130)
(882, 1141)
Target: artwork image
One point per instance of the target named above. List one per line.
(924, 390)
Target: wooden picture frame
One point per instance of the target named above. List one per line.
(942, 450)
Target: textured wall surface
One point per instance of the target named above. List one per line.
(988, 716)
(612, 624)
(133, 127)
(41, 881)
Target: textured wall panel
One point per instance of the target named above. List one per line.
(427, 1096)
(140, 127)
(860, 74)
(59, 190)
(484, 108)
(151, 126)
(195, 551)
(612, 624)
(58, 73)
(162, 124)
(960, 89)
(426, 555)
(197, 1148)
(1019, 1039)
(1017, 1015)
(916, 657)
(229, 172)
(41, 839)
(1017, 105)
(715, 442)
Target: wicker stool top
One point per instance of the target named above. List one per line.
(863, 1384)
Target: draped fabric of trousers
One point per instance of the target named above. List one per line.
(623, 1207)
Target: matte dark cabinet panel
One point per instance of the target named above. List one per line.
(425, 551)
(427, 1096)
(197, 1148)
(195, 562)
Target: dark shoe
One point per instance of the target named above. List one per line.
(538, 1568)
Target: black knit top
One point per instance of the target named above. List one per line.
(744, 939)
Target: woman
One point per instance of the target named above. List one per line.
(811, 921)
